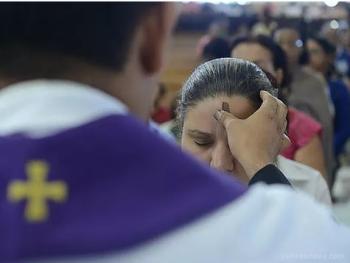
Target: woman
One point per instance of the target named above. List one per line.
(321, 59)
(233, 85)
(303, 131)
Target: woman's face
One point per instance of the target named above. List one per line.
(317, 57)
(205, 138)
(257, 54)
(260, 56)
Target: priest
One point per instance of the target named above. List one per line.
(84, 179)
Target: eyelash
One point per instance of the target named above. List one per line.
(200, 144)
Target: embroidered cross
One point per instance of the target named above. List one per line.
(37, 191)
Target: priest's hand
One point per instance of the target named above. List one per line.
(256, 141)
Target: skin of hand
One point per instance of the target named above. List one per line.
(257, 140)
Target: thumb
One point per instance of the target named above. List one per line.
(224, 117)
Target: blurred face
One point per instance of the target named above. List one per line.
(291, 43)
(331, 35)
(318, 59)
(256, 54)
(260, 56)
(204, 138)
(218, 29)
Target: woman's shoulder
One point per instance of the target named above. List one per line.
(297, 115)
(302, 125)
(297, 171)
(306, 179)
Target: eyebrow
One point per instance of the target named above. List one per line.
(198, 133)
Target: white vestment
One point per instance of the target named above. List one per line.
(267, 224)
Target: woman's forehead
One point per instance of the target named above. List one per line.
(202, 113)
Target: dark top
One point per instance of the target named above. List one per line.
(270, 174)
(341, 100)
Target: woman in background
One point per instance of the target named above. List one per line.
(304, 132)
(321, 59)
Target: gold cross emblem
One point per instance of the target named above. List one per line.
(37, 191)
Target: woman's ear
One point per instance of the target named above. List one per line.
(155, 29)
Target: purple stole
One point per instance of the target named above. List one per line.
(100, 187)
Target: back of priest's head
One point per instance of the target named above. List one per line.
(48, 39)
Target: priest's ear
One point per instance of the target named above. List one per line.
(155, 29)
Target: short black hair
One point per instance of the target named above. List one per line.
(216, 48)
(278, 55)
(330, 50)
(96, 33)
(326, 46)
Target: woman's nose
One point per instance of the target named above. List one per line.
(221, 158)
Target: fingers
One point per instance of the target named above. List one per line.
(275, 109)
(282, 113)
(279, 110)
(272, 104)
(269, 104)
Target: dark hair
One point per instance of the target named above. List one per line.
(36, 35)
(225, 76)
(303, 58)
(329, 49)
(279, 58)
(326, 46)
(216, 48)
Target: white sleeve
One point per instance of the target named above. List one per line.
(268, 224)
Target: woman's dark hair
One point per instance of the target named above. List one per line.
(279, 58)
(225, 76)
(216, 48)
(330, 50)
(326, 46)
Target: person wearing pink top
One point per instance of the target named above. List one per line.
(305, 132)
(302, 130)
